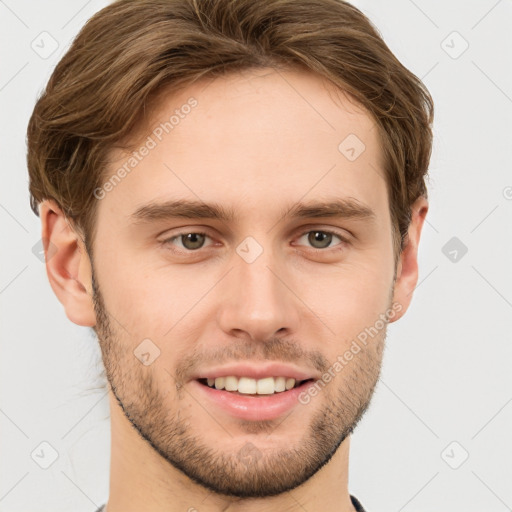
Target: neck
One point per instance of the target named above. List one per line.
(140, 479)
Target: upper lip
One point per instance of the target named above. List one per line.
(254, 371)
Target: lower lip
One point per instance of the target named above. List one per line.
(253, 408)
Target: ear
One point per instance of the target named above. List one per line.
(67, 265)
(407, 271)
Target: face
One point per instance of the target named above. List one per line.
(281, 269)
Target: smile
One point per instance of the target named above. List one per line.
(248, 386)
(245, 402)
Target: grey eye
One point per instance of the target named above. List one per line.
(319, 239)
(190, 241)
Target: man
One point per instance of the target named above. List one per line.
(233, 194)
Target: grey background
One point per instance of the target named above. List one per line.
(446, 387)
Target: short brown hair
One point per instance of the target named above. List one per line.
(132, 50)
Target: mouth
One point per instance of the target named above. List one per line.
(249, 399)
(253, 387)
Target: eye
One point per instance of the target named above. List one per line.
(190, 241)
(321, 239)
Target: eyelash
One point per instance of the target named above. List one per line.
(168, 241)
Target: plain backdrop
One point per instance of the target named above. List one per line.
(437, 436)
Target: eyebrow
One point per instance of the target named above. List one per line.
(348, 208)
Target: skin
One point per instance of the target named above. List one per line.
(257, 142)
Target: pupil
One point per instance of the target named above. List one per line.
(193, 240)
(324, 238)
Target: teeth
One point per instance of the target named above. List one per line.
(245, 385)
(280, 383)
(231, 383)
(266, 386)
(290, 383)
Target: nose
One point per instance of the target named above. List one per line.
(259, 302)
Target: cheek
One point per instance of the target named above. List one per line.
(351, 295)
(132, 296)
(156, 302)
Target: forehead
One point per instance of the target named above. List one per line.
(253, 141)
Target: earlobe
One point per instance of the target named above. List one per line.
(67, 265)
(407, 269)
